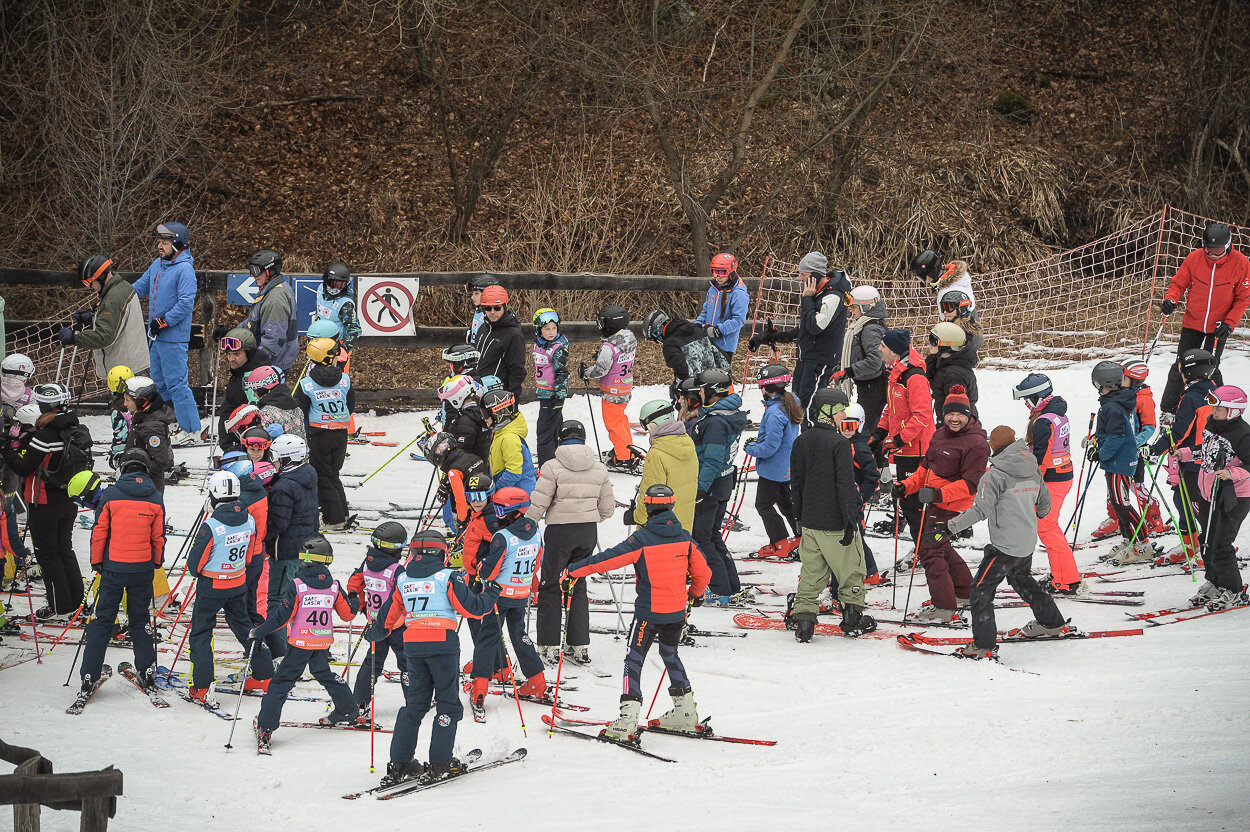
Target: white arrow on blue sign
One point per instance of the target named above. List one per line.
(241, 289)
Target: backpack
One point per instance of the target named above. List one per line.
(75, 457)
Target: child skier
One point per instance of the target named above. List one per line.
(671, 460)
(336, 304)
(1114, 448)
(614, 370)
(327, 400)
(950, 362)
(254, 497)
(771, 448)
(119, 416)
(150, 421)
(716, 438)
(1013, 497)
(510, 460)
(456, 465)
(1224, 483)
(1135, 373)
(305, 612)
(474, 547)
(551, 377)
(724, 310)
(461, 359)
(292, 512)
(462, 415)
(867, 478)
(672, 576)
(278, 411)
(906, 424)
(372, 583)
(257, 443)
(218, 558)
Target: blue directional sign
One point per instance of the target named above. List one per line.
(241, 290)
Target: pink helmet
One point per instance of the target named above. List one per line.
(456, 390)
(1234, 398)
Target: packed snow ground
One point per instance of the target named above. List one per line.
(1147, 732)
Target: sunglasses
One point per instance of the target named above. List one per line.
(231, 344)
(493, 308)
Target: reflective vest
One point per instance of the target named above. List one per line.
(1058, 458)
(378, 587)
(227, 554)
(619, 379)
(327, 406)
(312, 626)
(516, 568)
(328, 309)
(544, 370)
(426, 605)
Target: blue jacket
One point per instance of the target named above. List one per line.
(228, 514)
(716, 437)
(867, 474)
(771, 447)
(170, 287)
(474, 605)
(1116, 430)
(488, 566)
(292, 511)
(726, 309)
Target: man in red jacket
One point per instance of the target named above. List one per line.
(907, 421)
(1217, 277)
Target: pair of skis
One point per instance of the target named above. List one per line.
(423, 782)
(126, 670)
(703, 733)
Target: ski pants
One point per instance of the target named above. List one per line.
(709, 518)
(1191, 339)
(810, 376)
(996, 566)
(904, 467)
(1063, 571)
(1120, 492)
(770, 497)
(275, 641)
(490, 639)
(550, 416)
(822, 553)
(169, 371)
(52, 534)
(289, 672)
(137, 587)
(15, 537)
(431, 680)
(1191, 515)
(475, 633)
(870, 567)
(947, 574)
(871, 397)
(564, 543)
(1220, 558)
(617, 425)
(641, 635)
(374, 662)
(204, 619)
(281, 572)
(326, 451)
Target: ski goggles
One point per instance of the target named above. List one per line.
(231, 344)
(850, 423)
(256, 442)
(1216, 401)
(256, 271)
(477, 496)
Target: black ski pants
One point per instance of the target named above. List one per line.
(810, 376)
(871, 397)
(289, 672)
(709, 518)
(326, 451)
(1220, 557)
(996, 566)
(1191, 339)
(770, 497)
(137, 587)
(52, 533)
(564, 543)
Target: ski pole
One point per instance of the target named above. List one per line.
(508, 658)
(30, 602)
(564, 641)
(911, 577)
(81, 641)
(1080, 502)
(657, 693)
(1190, 557)
(69, 371)
(590, 407)
(1151, 351)
(247, 671)
(373, 699)
(1080, 508)
(389, 461)
(212, 419)
(894, 573)
(59, 362)
(1080, 474)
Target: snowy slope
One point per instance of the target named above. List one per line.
(1133, 733)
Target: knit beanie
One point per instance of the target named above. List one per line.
(814, 262)
(957, 401)
(898, 341)
(1001, 437)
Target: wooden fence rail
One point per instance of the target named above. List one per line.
(32, 784)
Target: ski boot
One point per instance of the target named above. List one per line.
(1155, 524)
(1206, 593)
(444, 771)
(201, 695)
(789, 616)
(769, 550)
(1142, 551)
(337, 717)
(885, 528)
(264, 737)
(578, 654)
(1227, 599)
(1109, 528)
(907, 563)
(633, 465)
(683, 716)
(855, 622)
(625, 727)
(804, 627)
(1182, 552)
(826, 601)
(1069, 590)
(549, 653)
(535, 686)
(1036, 629)
(876, 579)
(971, 651)
(929, 614)
(252, 684)
(503, 675)
(397, 771)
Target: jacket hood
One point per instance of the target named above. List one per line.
(59, 419)
(1054, 405)
(544, 343)
(731, 402)
(251, 488)
(524, 528)
(162, 413)
(506, 320)
(664, 524)
(279, 398)
(183, 256)
(326, 376)
(878, 311)
(424, 566)
(1123, 396)
(316, 575)
(517, 426)
(232, 513)
(673, 428)
(136, 486)
(837, 282)
(576, 457)
(1015, 460)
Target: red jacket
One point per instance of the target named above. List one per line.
(908, 410)
(476, 543)
(954, 464)
(1146, 407)
(129, 530)
(1219, 290)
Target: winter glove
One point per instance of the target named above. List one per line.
(251, 634)
(66, 336)
(1091, 453)
(701, 498)
(567, 583)
(753, 343)
(443, 494)
(938, 534)
(696, 600)
(712, 330)
(848, 536)
(1146, 453)
(493, 587)
(929, 495)
(1167, 307)
(581, 371)
(155, 327)
(899, 490)
(628, 520)
(1228, 497)
(878, 436)
(838, 376)
(220, 331)
(83, 318)
(1223, 330)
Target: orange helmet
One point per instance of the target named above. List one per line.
(724, 265)
(494, 296)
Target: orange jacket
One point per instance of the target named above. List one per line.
(1146, 407)
(1219, 290)
(129, 531)
(908, 412)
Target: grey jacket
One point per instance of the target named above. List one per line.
(272, 319)
(1012, 497)
(865, 362)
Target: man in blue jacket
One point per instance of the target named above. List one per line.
(169, 284)
(716, 437)
(725, 309)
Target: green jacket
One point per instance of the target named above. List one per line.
(118, 333)
(672, 461)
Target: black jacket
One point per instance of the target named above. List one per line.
(822, 480)
(947, 368)
(867, 474)
(822, 322)
(503, 352)
(232, 397)
(42, 448)
(469, 428)
(149, 432)
(688, 351)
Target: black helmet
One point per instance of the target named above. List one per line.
(689, 389)
(958, 302)
(1197, 364)
(428, 543)
(1217, 235)
(335, 279)
(317, 549)
(481, 281)
(1107, 374)
(653, 326)
(773, 378)
(825, 403)
(461, 356)
(265, 261)
(133, 459)
(612, 319)
(389, 536)
(93, 267)
(714, 381)
(500, 405)
(438, 446)
(571, 429)
(658, 498)
(927, 266)
(478, 487)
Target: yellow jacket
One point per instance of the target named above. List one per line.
(672, 461)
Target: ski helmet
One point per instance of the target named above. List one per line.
(264, 471)
(1194, 364)
(545, 316)
(134, 459)
(865, 295)
(611, 320)
(1217, 235)
(494, 296)
(118, 376)
(500, 406)
(27, 415)
(389, 537)
(478, 487)
(242, 418)
(489, 383)
(265, 262)
(239, 338)
(656, 413)
(773, 378)
(175, 232)
(1234, 398)
(17, 364)
(51, 396)
(461, 356)
(510, 503)
(1033, 388)
(825, 403)
(481, 281)
(324, 328)
(260, 381)
(256, 437)
(237, 463)
(571, 429)
(317, 549)
(335, 280)
(456, 390)
(659, 498)
(714, 382)
(93, 267)
(222, 486)
(143, 390)
(322, 351)
(957, 301)
(438, 446)
(688, 388)
(853, 418)
(1107, 374)
(1136, 369)
(947, 334)
(290, 446)
(84, 488)
(428, 544)
(927, 266)
(724, 268)
(654, 325)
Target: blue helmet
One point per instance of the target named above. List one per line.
(175, 232)
(1034, 386)
(489, 383)
(323, 328)
(237, 463)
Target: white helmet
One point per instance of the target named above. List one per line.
(17, 364)
(854, 413)
(28, 414)
(222, 486)
(457, 389)
(865, 295)
(290, 446)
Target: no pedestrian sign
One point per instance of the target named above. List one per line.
(386, 305)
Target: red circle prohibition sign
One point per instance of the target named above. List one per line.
(374, 293)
